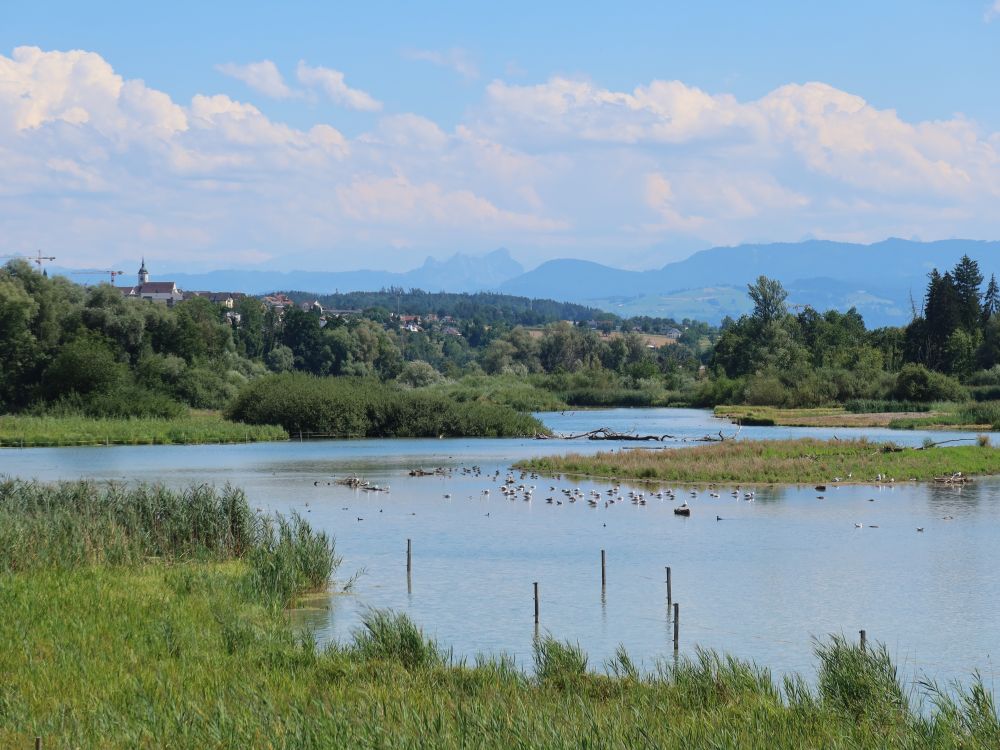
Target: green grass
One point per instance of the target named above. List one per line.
(776, 462)
(972, 415)
(179, 656)
(201, 427)
(182, 644)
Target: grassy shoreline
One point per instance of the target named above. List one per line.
(804, 461)
(159, 619)
(944, 416)
(20, 431)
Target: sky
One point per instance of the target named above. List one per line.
(333, 136)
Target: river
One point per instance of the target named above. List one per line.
(760, 584)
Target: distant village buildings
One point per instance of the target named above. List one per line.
(168, 293)
(154, 291)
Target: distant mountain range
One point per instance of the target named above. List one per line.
(879, 279)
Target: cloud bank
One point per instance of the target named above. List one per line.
(100, 168)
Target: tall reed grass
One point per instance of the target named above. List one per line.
(21, 431)
(74, 524)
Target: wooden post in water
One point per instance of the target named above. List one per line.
(677, 626)
(409, 556)
(536, 602)
(864, 639)
(670, 596)
(604, 573)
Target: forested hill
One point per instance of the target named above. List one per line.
(488, 307)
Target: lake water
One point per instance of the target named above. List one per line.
(760, 584)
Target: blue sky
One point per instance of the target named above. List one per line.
(374, 134)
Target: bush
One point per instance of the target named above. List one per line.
(917, 383)
(877, 406)
(356, 407)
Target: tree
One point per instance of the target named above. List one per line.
(968, 279)
(991, 300)
(768, 297)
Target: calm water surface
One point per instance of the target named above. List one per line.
(761, 584)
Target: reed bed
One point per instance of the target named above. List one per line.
(21, 431)
(776, 462)
(71, 525)
(179, 657)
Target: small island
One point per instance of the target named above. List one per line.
(805, 461)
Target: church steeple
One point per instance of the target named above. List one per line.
(143, 273)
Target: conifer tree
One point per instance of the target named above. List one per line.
(968, 279)
(991, 300)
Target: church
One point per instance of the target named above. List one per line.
(156, 291)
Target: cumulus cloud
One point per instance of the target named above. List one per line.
(992, 12)
(457, 59)
(103, 164)
(262, 76)
(331, 82)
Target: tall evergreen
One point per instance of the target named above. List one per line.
(991, 300)
(968, 279)
(942, 315)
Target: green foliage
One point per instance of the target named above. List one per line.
(72, 524)
(346, 407)
(916, 383)
(877, 406)
(73, 428)
(393, 637)
(861, 683)
(288, 558)
(558, 663)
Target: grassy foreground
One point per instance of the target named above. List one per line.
(149, 618)
(777, 462)
(201, 427)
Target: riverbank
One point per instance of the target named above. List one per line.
(945, 416)
(805, 461)
(160, 619)
(18, 431)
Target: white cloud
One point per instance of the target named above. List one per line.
(108, 166)
(992, 12)
(456, 59)
(332, 83)
(262, 76)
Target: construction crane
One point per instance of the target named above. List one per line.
(37, 258)
(113, 274)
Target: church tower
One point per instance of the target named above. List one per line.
(143, 273)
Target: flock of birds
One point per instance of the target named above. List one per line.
(513, 486)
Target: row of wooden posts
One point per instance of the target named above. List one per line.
(671, 604)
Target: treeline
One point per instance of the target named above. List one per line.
(774, 357)
(74, 350)
(489, 307)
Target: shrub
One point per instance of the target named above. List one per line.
(917, 383)
(349, 407)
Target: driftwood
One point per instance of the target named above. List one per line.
(357, 483)
(438, 472)
(956, 478)
(606, 433)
